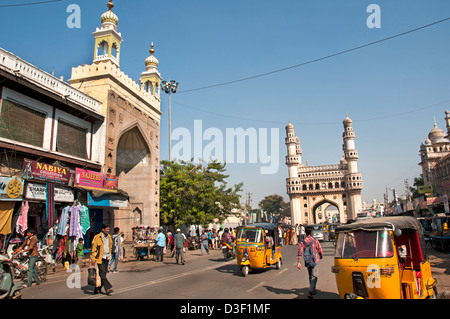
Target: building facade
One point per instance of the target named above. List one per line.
(434, 149)
(48, 131)
(132, 117)
(310, 187)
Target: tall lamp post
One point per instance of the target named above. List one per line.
(170, 87)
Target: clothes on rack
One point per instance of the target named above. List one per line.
(22, 221)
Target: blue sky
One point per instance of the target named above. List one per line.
(391, 90)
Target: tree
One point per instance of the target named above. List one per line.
(275, 206)
(195, 194)
(418, 181)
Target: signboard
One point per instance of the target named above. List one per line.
(47, 172)
(108, 200)
(425, 189)
(95, 180)
(111, 182)
(88, 179)
(11, 188)
(35, 191)
(434, 200)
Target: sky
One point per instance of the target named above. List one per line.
(391, 90)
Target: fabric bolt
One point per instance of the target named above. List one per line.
(50, 204)
(6, 213)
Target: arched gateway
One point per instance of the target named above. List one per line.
(312, 188)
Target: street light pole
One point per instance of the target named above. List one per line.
(170, 87)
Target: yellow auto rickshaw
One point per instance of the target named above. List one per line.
(258, 246)
(383, 258)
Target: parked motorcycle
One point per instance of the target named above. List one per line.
(8, 289)
(227, 251)
(194, 243)
(20, 264)
(45, 252)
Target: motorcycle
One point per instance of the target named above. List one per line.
(47, 255)
(20, 267)
(193, 243)
(8, 289)
(227, 251)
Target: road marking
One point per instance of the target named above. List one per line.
(260, 284)
(153, 282)
(280, 272)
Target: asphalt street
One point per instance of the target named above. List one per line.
(203, 277)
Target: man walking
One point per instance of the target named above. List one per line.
(160, 244)
(101, 254)
(205, 242)
(179, 246)
(311, 250)
(115, 250)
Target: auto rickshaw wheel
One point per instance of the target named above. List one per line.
(278, 264)
(244, 271)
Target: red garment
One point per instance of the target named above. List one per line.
(317, 249)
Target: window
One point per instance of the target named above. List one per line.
(22, 124)
(364, 244)
(250, 235)
(71, 140)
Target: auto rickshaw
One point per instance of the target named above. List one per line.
(258, 246)
(383, 258)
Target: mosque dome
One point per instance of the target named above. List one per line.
(109, 16)
(151, 60)
(347, 120)
(437, 135)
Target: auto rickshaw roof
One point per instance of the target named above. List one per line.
(380, 223)
(265, 226)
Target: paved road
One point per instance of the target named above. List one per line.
(203, 277)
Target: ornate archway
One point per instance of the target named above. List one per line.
(132, 150)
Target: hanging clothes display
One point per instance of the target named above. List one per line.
(75, 229)
(84, 219)
(63, 221)
(22, 221)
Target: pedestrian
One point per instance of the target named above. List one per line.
(101, 254)
(30, 246)
(115, 252)
(302, 233)
(80, 253)
(172, 244)
(311, 250)
(179, 241)
(205, 242)
(160, 244)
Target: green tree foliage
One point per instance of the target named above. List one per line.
(275, 206)
(195, 194)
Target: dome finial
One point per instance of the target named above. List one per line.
(152, 50)
(110, 5)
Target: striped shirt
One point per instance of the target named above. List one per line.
(317, 249)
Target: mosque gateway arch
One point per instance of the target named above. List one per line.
(325, 193)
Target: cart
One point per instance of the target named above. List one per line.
(142, 250)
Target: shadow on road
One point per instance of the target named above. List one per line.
(302, 293)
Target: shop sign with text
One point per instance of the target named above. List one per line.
(11, 188)
(95, 180)
(43, 171)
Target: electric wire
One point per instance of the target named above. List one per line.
(28, 4)
(318, 59)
